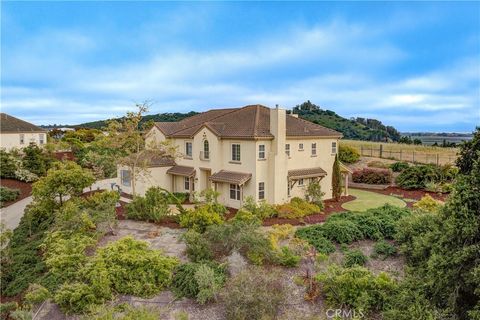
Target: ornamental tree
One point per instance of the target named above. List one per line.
(62, 180)
(336, 180)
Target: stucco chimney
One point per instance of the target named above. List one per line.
(278, 126)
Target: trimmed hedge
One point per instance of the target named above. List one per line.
(372, 176)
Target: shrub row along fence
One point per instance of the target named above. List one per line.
(408, 155)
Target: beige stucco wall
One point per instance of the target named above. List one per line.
(10, 141)
(272, 170)
(156, 176)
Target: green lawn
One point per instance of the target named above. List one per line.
(367, 200)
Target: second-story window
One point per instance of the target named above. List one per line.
(41, 138)
(188, 149)
(22, 138)
(314, 149)
(300, 146)
(235, 152)
(287, 149)
(206, 150)
(261, 151)
(334, 147)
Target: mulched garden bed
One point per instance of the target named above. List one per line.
(410, 194)
(24, 187)
(331, 206)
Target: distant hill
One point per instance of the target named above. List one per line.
(355, 128)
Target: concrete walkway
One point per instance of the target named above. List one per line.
(12, 214)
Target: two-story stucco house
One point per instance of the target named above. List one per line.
(16, 133)
(250, 151)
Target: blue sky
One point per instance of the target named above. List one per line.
(412, 65)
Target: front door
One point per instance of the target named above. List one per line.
(207, 183)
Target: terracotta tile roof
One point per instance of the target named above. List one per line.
(182, 171)
(249, 122)
(306, 173)
(9, 124)
(230, 177)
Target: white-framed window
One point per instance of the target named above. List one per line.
(261, 151)
(261, 190)
(314, 149)
(287, 149)
(206, 150)
(126, 178)
(300, 182)
(300, 146)
(235, 152)
(22, 138)
(186, 183)
(334, 147)
(41, 138)
(234, 191)
(188, 149)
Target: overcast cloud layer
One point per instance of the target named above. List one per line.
(415, 66)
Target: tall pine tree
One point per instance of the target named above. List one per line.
(336, 180)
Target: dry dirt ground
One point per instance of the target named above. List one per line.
(169, 241)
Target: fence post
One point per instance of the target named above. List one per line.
(381, 151)
(413, 156)
(437, 159)
(361, 151)
(400, 154)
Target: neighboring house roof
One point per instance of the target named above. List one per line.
(230, 177)
(9, 124)
(306, 173)
(249, 122)
(182, 171)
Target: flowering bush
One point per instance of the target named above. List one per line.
(372, 176)
(25, 175)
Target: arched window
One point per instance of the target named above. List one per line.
(206, 149)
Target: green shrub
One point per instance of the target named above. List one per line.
(262, 210)
(347, 154)
(399, 166)
(354, 258)
(254, 294)
(357, 288)
(76, 297)
(428, 204)
(297, 208)
(124, 312)
(200, 281)
(341, 231)
(8, 165)
(384, 249)
(287, 258)
(153, 207)
(135, 269)
(416, 177)
(198, 247)
(372, 176)
(314, 193)
(201, 217)
(36, 294)
(6, 308)
(248, 217)
(36, 160)
(314, 236)
(7, 194)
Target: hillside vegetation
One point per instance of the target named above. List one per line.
(355, 128)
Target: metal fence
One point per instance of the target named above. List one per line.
(408, 155)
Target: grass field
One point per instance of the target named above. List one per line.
(404, 152)
(367, 200)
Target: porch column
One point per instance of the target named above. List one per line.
(346, 184)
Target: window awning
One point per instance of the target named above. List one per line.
(306, 173)
(233, 177)
(182, 171)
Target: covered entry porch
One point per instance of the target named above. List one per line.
(186, 183)
(232, 181)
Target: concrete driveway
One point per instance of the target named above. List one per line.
(12, 214)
